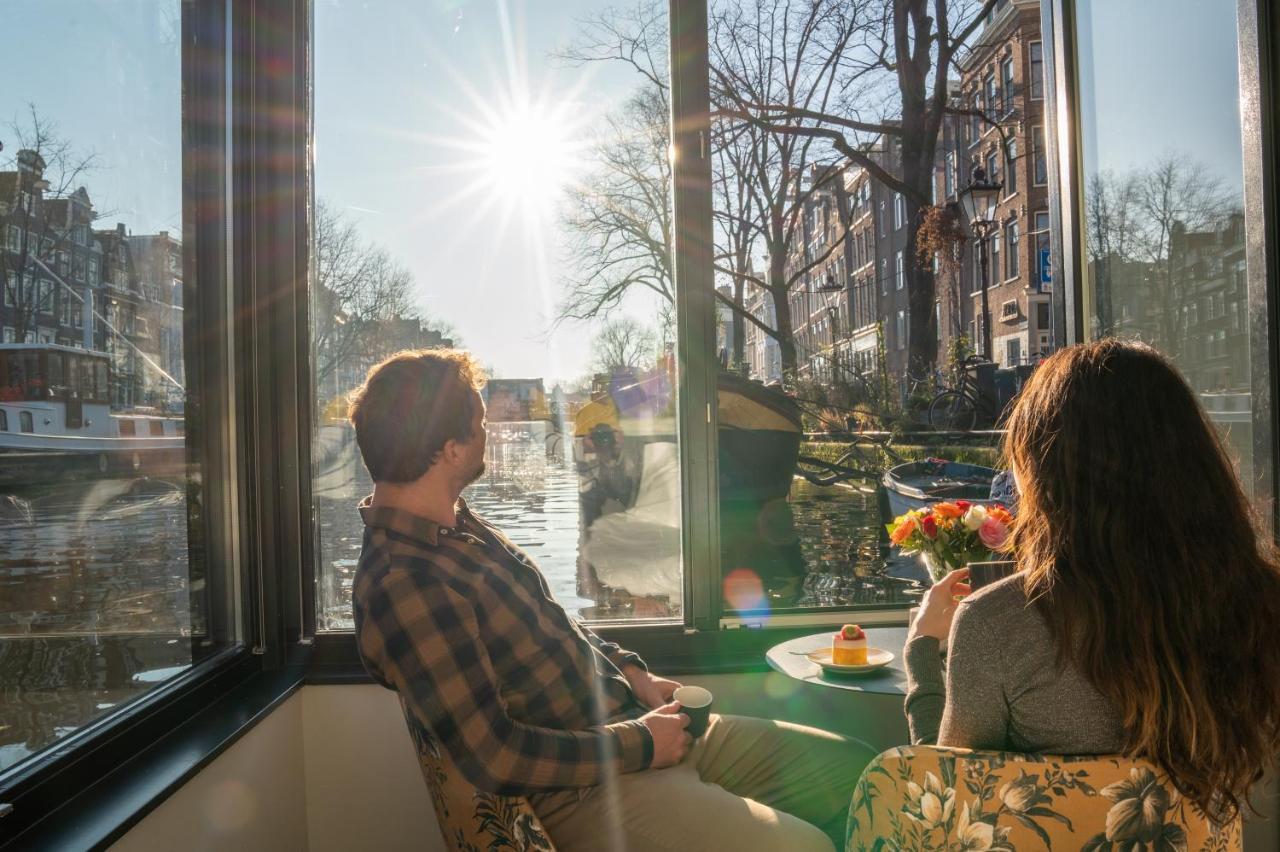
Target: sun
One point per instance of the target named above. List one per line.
(526, 153)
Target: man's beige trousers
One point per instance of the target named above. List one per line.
(746, 785)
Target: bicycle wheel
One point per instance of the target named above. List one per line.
(953, 411)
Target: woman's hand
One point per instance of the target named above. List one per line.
(939, 606)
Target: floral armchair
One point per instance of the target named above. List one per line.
(922, 797)
(472, 821)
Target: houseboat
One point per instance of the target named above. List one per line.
(56, 420)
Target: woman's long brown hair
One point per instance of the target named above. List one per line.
(1137, 543)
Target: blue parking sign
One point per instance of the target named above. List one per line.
(1046, 270)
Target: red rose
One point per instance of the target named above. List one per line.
(929, 526)
(963, 504)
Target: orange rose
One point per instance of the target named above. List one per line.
(904, 528)
(947, 510)
(1001, 514)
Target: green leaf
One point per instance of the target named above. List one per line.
(1034, 826)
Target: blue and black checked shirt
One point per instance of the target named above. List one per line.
(461, 623)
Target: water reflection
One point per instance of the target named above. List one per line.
(821, 547)
(95, 599)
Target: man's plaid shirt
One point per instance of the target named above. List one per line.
(461, 623)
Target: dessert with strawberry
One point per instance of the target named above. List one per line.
(849, 646)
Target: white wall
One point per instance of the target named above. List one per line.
(364, 787)
(333, 769)
(250, 798)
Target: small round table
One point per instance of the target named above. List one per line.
(788, 658)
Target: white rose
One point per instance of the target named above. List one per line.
(974, 517)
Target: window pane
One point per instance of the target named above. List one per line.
(851, 322)
(1164, 220)
(520, 210)
(103, 589)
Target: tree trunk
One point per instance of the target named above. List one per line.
(739, 323)
(782, 307)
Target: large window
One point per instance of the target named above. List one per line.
(524, 212)
(107, 591)
(1164, 205)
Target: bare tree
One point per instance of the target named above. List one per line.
(623, 343)
(1174, 196)
(621, 215)
(774, 51)
(884, 65)
(49, 172)
(1111, 214)
(359, 288)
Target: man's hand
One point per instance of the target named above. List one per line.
(670, 739)
(653, 691)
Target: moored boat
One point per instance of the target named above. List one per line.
(629, 488)
(914, 485)
(56, 420)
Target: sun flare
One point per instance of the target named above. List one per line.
(527, 155)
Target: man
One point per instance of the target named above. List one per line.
(527, 701)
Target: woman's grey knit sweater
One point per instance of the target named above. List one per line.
(1003, 689)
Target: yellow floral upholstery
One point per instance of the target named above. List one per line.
(921, 797)
(472, 821)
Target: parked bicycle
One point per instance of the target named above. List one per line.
(958, 408)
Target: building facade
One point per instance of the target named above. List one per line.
(1002, 88)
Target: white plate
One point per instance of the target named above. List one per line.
(876, 658)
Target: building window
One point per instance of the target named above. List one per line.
(4, 420)
(975, 120)
(993, 166)
(9, 335)
(1039, 160)
(1011, 168)
(948, 175)
(1042, 316)
(899, 210)
(900, 276)
(989, 95)
(1037, 71)
(1006, 85)
(900, 329)
(1011, 260)
(994, 247)
(1012, 352)
(884, 276)
(25, 422)
(884, 221)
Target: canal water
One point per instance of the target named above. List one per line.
(98, 601)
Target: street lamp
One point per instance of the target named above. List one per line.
(979, 202)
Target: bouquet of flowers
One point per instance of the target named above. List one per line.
(951, 535)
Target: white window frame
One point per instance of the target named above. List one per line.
(900, 273)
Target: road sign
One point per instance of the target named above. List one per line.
(1046, 270)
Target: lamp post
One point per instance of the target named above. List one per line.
(979, 202)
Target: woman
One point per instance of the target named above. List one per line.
(1142, 617)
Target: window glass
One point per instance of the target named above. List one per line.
(1037, 70)
(103, 592)
(522, 211)
(1164, 201)
(805, 544)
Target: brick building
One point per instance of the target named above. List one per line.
(1002, 78)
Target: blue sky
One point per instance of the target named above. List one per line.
(391, 149)
(1170, 83)
(400, 84)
